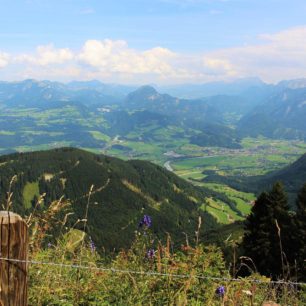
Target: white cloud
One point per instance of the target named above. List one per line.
(215, 66)
(46, 55)
(273, 58)
(4, 59)
(117, 57)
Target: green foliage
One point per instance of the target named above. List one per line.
(300, 235)
(267, 240)
(30, 194)
(134, 278)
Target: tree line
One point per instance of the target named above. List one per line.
(275, 237)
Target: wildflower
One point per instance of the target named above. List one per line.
(151, 253)
(49, 245)
(247, 292)
(92, 245)
(220, 291)
(145, 221)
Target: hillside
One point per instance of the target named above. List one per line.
(123, 192)
(292, 176)
(214, 135)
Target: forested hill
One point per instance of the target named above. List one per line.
(123, 192)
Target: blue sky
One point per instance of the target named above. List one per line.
(167, 41)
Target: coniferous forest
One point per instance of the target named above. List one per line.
(274, 236)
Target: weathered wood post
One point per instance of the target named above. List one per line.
(13, 245)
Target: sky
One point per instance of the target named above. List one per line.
(152, 41)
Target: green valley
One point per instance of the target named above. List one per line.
(195, 139)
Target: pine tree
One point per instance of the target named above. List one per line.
(300, 241)
(256, 242)
(267, 233)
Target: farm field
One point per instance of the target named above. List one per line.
(221, 210)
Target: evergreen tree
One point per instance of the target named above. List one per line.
(267, 233)
(300, 241)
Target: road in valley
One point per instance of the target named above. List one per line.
(167, 165)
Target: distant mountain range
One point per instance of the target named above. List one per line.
(88, 114)
(31, 93)
(234, 88)
(282, 115)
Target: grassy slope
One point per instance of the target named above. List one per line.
(30, 190)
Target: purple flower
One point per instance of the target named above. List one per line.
(220, 291)
(92, 245)
(49, 245)
(145, 221)
(151, 253)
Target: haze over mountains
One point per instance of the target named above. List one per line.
(40, 113)
(282, 115)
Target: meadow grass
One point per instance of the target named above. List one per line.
(30, 190)
(148, 273)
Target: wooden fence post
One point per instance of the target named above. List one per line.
(13, 245)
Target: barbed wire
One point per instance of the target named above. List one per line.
(150, 273)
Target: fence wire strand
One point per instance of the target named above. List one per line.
(149, 273)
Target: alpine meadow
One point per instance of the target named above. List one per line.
(153, 152)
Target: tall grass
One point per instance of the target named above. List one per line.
(145, 274)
